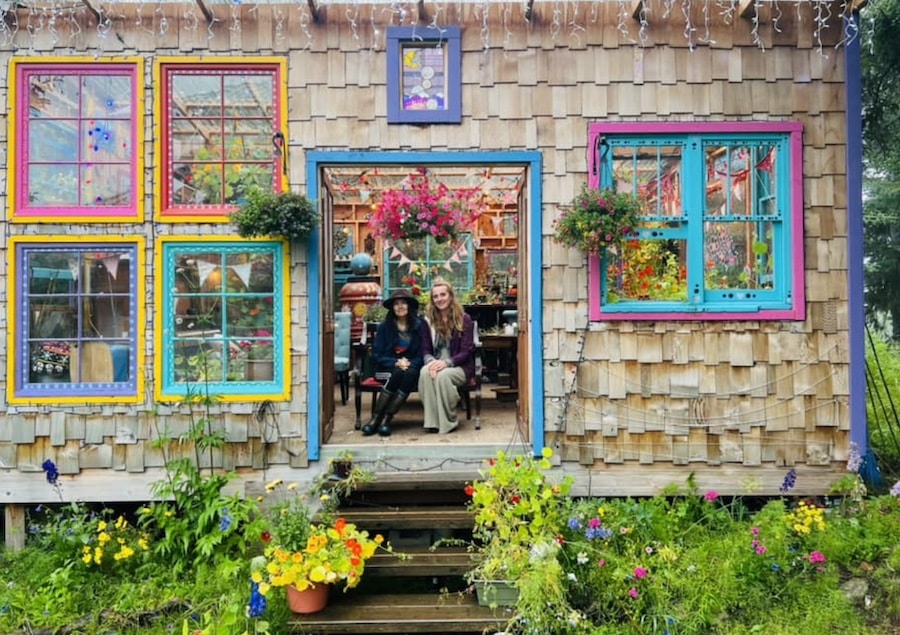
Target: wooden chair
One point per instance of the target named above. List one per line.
(366, 380)
(342, 352)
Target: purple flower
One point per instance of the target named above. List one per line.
(854, 460)
(895, 490)
(633, 592)
(790, 479)
(49, 468)
(640, 573)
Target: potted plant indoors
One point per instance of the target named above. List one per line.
(518, 514)
(307, 556)
(288, 215)
(597, 220)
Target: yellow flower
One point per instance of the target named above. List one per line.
(271, 485)
(292, 486)
(101, 526)
(103, 538)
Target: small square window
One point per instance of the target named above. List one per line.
(424, 76)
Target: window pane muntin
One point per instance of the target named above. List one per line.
(217, 330)
(761, 285)
(226, 82)
(70, 305)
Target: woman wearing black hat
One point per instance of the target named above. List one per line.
(397, 349)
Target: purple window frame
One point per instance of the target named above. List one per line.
(798, 290)
(397, 37)
(22, 210)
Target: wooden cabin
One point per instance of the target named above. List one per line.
(725, 341)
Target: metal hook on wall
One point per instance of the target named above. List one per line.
(281, 151)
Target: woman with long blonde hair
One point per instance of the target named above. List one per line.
(448, 348)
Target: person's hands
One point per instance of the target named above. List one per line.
(403, 363)
(436, 366)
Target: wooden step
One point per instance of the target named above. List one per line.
(443, 561)
(384, 518)
(419, 613)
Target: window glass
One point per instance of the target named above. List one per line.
(78, 305)
(224, 317)
(220, 123)
(414, 263)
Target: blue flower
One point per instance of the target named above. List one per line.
(790, 479)
(257, 601)
(52, 473)
(225, 522)
(574, 523)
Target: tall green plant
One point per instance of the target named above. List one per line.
(194, 519)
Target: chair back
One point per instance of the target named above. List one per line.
(342, 321)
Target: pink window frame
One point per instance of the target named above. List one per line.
(23, 212)
(798, 291)
(208, 213)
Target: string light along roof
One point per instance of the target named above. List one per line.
(636, 19)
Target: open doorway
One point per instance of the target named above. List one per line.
(489, 262)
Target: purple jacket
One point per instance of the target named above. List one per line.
(462, 347)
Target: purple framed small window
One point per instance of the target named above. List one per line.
(424, 75)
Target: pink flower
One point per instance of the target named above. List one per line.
(640, 573)
(816, 557)
(633, 592)
(761, 550)
(601, 562)
(755, 531)
(711, 495)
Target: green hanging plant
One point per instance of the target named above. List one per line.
(278, 214)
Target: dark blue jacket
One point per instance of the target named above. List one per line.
(387, 339)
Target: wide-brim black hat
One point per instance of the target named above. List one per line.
(400, 294)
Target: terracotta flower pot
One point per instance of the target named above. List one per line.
(310, 600)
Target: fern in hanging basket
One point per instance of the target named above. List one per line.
(598, 220)
(278, 214)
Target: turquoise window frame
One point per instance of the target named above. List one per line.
(169, 251)
(786, 298)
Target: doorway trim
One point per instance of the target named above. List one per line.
(316, 159)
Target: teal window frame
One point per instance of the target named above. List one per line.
(428, 264)
(223, 335)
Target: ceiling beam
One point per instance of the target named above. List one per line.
(314, 10)
(205, 10)
(747, 9)
(92, 9)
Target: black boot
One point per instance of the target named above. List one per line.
(381, 405)
(390, 410)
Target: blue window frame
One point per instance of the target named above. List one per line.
(222, 322)
(78, 321)
(721, 230)
(424, 75)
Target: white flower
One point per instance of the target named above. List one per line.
(582, 558)
(573, 577)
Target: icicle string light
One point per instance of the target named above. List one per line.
(688, 26)
(643, 31)
(575, 29)
(352, 17)
(776, 16)
(555, 22)
(757, 40)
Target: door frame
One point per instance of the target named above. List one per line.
(317, 159)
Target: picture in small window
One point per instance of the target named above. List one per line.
(424, 76)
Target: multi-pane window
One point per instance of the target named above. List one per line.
(222, 322)
(76, 307)
(721, 222)
(223, 134)
(423, 75)
(415, 263)
(76, 143)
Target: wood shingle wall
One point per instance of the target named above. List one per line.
(627, 397)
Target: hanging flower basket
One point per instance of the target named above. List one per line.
(420, 209)
(597, 220)
(278, 214)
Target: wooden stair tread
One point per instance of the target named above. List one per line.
(381, 518)
(401, 613)
(444, 561)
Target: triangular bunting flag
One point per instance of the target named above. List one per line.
(242, 271)
(462, 251)
(204, 269)
(455, 257)
(395, 253)
(112, 265)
